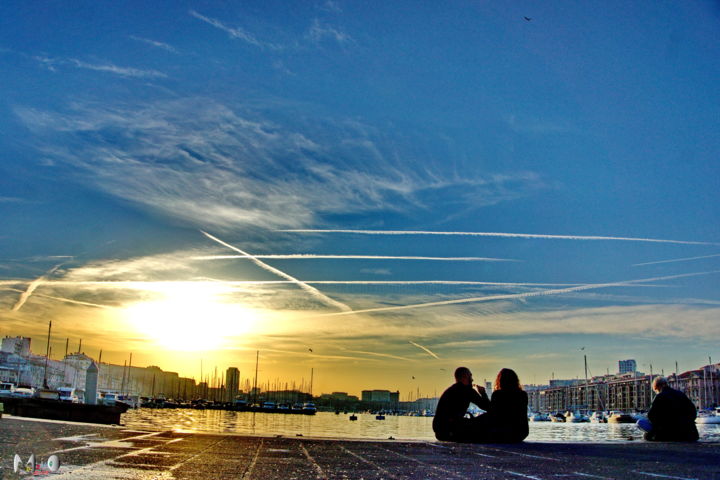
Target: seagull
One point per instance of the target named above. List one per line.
(527, 18)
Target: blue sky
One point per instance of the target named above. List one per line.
(128, 130)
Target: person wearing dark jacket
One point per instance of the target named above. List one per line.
(449, 422)
(505, 419)
(508, 409)
(671, 417)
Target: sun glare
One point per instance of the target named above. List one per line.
(190, 318)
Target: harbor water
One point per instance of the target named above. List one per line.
(331, 425)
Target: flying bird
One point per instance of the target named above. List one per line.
(527, 18)
(310, 349)
(413, 378)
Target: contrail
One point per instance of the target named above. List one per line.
(488, 298)
(154, 285)
(311, 290)
(676, 260)
(31, 288)
(361, 257)
(498, 234)
(424, 348)
(384, 355)
(61, 299)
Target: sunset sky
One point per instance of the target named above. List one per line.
(378, 191)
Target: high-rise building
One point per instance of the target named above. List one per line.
(232, 383)
(627, 366)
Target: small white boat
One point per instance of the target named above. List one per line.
(539, 417)
(598, 417)
(707, 417)
(575, 417)
(557, 418)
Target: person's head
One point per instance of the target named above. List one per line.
(659, 383)
(507, 380)
(463, 375)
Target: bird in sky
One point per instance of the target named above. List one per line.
(310, 349)
(527, 18)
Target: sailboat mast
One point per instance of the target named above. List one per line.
(257, 358)
(47, 355)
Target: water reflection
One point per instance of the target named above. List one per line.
(326, 424)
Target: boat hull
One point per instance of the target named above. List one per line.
(72, 412)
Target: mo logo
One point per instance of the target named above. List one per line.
(52, 465)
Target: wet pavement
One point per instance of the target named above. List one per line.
(99, 452)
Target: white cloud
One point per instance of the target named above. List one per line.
(235, 32)
(155, 43)
(52, 64)
(201, 162)
(319, 32)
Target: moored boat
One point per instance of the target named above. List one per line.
(620, 417)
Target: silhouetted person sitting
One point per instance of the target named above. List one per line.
(671, 417)
(449, 422)
(508, 409)
(505, 419)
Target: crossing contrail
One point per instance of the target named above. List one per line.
(676, 260)
(488, 298)
(31, 288)
(497, 234)
(424, 348)
(311, 290)
(360, 257)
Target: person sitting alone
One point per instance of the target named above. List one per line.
(505, 419)
(671, 417)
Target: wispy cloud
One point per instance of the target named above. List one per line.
(319, 32)
(499, 234)
(307, 256)
(155, 43)
(427, 350)
(311, 290)
(53, 63)
(122, 71)
(235, 32)
(201, 162)
(686, 259)
(489, 298)
(32, 286)
(11, 200)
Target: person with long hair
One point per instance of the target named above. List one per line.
(508, 408)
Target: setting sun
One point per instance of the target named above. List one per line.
(190, 318)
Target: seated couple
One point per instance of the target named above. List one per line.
(505, 420)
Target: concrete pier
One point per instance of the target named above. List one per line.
(99, 452)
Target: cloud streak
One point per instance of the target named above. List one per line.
(31, 288)
(52, 63)
(311, 290)
(306, 256)
(234, 32)
(427, 350)
(686, 259)
(489, 298)
(497, 234)
(155, 43)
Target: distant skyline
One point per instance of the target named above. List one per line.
(378, 192)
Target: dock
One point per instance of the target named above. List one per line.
(103, 452)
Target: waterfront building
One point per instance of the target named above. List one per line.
(627, 366)
(17, 345)
(380, 398)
